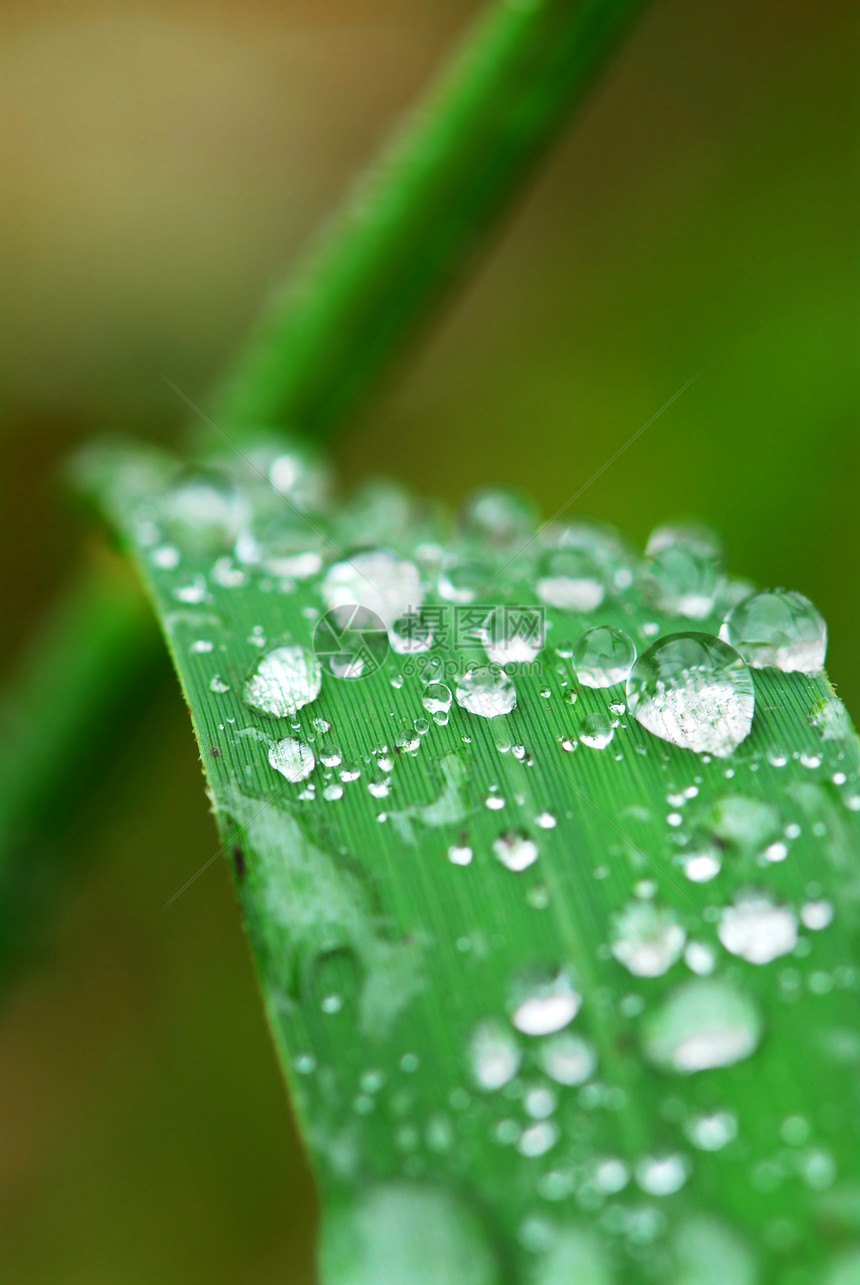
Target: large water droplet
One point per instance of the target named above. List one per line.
(515, 850)
(292, 759)
(778, 627)
(757, 929)
(570, 579)
(284, 681)
(493, 1055)
(411, 635)
(647, 940)
(701, 1024)
(691, 535)
(544, 1001)
(462, 579)
(596, 731)
(203, 511)
(713, 1131)
(603, 656)
(486, 691)
(513, 635)
(378, 580)
(693, 690)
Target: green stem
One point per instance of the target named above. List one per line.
(89, 671)
(417, 216)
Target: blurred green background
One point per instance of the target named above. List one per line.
(163, 161)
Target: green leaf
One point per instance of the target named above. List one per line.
(527, 1036)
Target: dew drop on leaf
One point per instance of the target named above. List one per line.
(700, 1025)
(778, 627)
(494, 1056)
(603, 656)
(694, 691)
(515, 850)
(544, 1000)
(284, 681)
(646, 939)
(292, 758)
(486, 691)
(757, 929)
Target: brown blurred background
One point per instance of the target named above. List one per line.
(163, 161)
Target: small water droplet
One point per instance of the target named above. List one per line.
(712, 1131)
(544, 1001)
(662, 1175)
(816, 915)
(494, 1056)
(515, 850)
(377, 580)
(694, 691)
(757, 929)
(459, 854)
(284, 681)
(647, 940)
(570, 580)
(292, 758)
(411, 634)
(486, 691)
(217, 685)
(568, 1059)
(778, 627)
(512, 635)
(596, 731)
(603, 656)
(682, 580)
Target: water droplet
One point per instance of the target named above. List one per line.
(712, 1132)
(537, 1139)
(512, 635)
(499, 515)
(778, 627)
(217, 685)
(546, 820)
(461, 580)
(702, 864)
(603, 656)
(757, 929)
(494, 1056)
(596, 731)
(647, 940)
(459, 854)
(204, 511)
(515, 850)
(540, 1102)
(568, 1059)
(292, 759)
(682, 580)
(486, 691)
(694, 691)
(572, 1257)
(662, 1175)
(816, 915)
(700, 1025)
(381, 1235)
(437, 698)
(284, 681)
(377, 580)
(411, 634)
(544, 1001)
(570, 580)
(408, 740)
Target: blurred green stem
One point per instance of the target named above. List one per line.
(419, 213)
(415, 218)
(86, 674)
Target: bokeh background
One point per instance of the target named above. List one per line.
(163, 161)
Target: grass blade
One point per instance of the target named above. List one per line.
(583, 1059)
